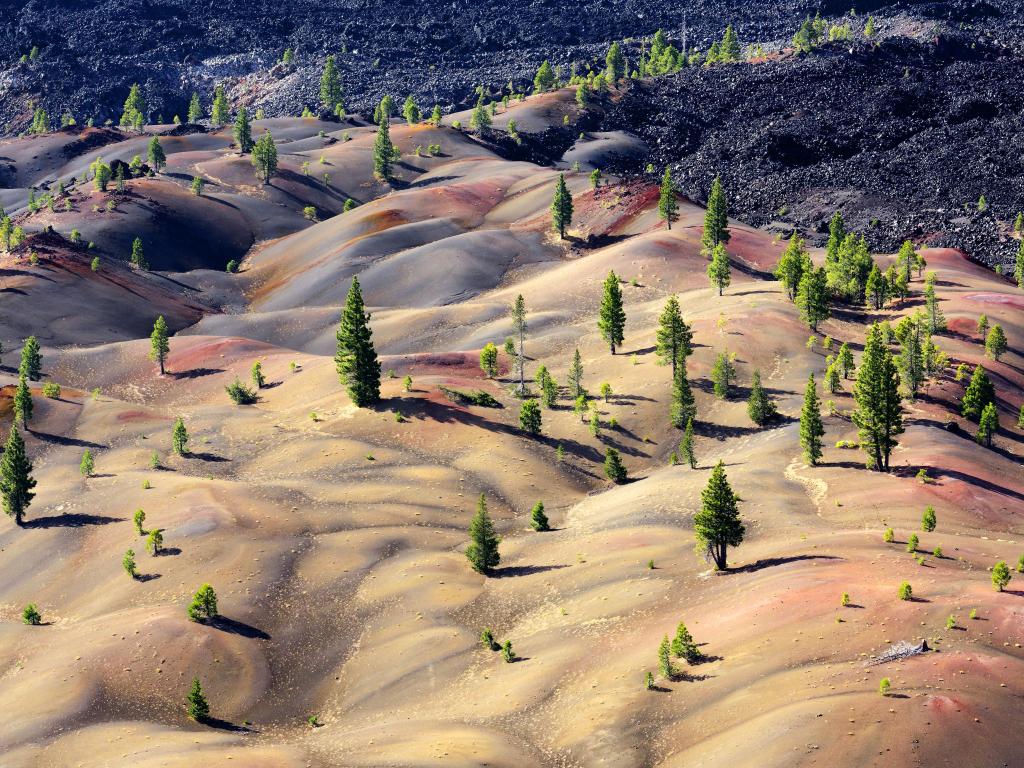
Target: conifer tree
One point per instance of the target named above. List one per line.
(719, 272)
(155, 153)
(179, 437)
(716, 219)
(134, 108)
(980, 392)
(160, 347)
(138, 257)
(220, 112)
(139, 519)
(760, 407)
(23, 402)
(480, 118)
(435, 115)
(264, 157)
(383, 150)
(518, 314)
(1018, 264)
(489, 360)
(330, 86)
(729, 49)
(31, 365)
(614, 469)
(683, 645)
(88, 464)
(128, 563)
(792, 265)
(243, 131)
(683, 406)
(544, 79)
(718, 526)
(611, 320)
(832, 381)
(665, 660)
(195, 109)
(615, 64)
(686, 446)
(876, 288)
(988, 425)
(844, 360)
(811, 427)
(203, 605)
(879, 411)
(529, 417)
(836, 237)
(995, 342)
(561, 207)
(482, 551)
(195, 702)
(911, 358)
(16, 481)
(722, 374)
(576, 375)
(539, 520)
(668, 206)
(674, 337)
(356, 358)
(410, 110)
(936, 319)
(1001, 575)
(812, 297)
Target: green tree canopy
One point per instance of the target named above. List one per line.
(717, 525)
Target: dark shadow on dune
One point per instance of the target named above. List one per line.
(897, 696)
(194, 373)
(272, 384)
(433, 180)
(844, 464)
(73, 520)
(631, 399)
(720, 431)
(938, 473)
(751, 293)
(224, 725)
(642, 351)
(525, 570)
(208, 457)
(61, 440)
(1014, 592)
(16, 291)
(770, 562)
(224, 624)
(169, 552)
(144, 577)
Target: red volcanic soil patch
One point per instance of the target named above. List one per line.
(465, 364)
(997, 298)
(755, 248)
(206, 353)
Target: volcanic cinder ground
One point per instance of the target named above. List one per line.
(334, 535)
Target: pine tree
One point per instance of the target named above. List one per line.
(160, 347)
(832, 381)
(760, 407)
(614, 470)
(544, 79)
(683, 406)
(518, 314)
(665, 660)
(1018, 264)
(792, 265)
(717, 526)
(668, 206)
(988, 425)
(561, 207)
(220, 112)
(196, 705)
(548, 387)
(722, 374)
(539, 520)
(155, 153)
(139, 520)
(88, 464)
(674, 337)
(876, 288)
(243, 131)
(928, 519)
(719, 272)
(264, 157)
(410, 110)
(911, 358)
(980, 392)
(716, 219)
(330, 86)
(811, 427)
(686, 445)
(836, 237)
(203, 605)
(1001, 575)
(383, 150)
(16, 481)
(995, 342)
(489, 360)
(482, 551)
(936, 319)
(529, 417)
(138, 257)
(683, 645)
(844, 360)
(812, 297)
(128, 563)
(576, 375)
(179, 437)
(195, 109)
(256, 374)
(31, 365)
(356, 359)
(611, 320)
(879, 411)
(23, 402)
(134, 108)
(729, 50)
(615, 64)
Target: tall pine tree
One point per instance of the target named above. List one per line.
(719, 272)
(383, 150)
(160, 347)
(330, 86)
(611, 320)
(519, 326)
(811, 428)
(16, 481)
(716, 219)
(683, 406)
(482, 551)
(561, 207)
(668, 206)
(243, 131)
(356, 359)
(879, 411)
(674, 337)
(718, 525)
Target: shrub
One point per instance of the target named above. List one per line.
(889, 536)
(884, 686)
(204, 604)
(139, 519)
(928, 519)
(951, 622)
(51, 390)
(487, 640)
(538, 518)
(407, 384)
(937, 552)
(973, 614)
(507, 653)
(31, 615)
(470, 397)
(845, 599)
(87, 465)
(613, 467)
(912, 543)
(155, 542)
(1000, 575)
(649, 681)
(906, 592)
(232, 266)
(309, 213)
(240, 394)
(128, 563)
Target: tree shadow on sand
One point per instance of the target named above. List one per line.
(770, 562)
(74, 520)
(525, 570)
(194, 373)
(233, 627)
(65, 441)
